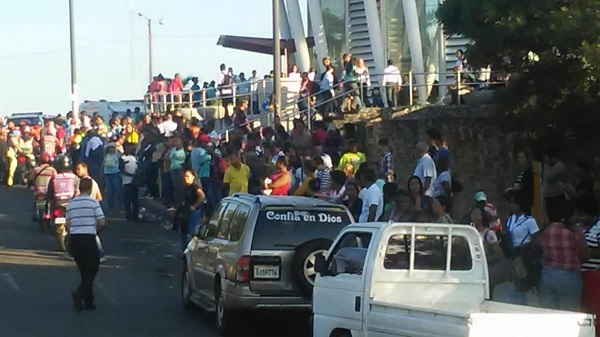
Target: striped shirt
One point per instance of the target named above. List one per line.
(592, 238)
(325, 177)
(83, 212)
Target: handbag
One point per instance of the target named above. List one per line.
(497, 271)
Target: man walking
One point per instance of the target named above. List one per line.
(84, 220)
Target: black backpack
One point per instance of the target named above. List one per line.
(227, 81)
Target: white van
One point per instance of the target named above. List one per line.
(106, 108)
(421, 280)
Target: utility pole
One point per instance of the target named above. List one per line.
(276, 60)
(151, 72)
(149, 23)
(74, 107)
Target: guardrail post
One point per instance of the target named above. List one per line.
(458, 79)
(191, 98)
(410, 88)
(164, 101)
(203, 98)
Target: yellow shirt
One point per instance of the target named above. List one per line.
(237, 179)
(132, 138)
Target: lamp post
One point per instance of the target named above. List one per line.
(149, 23)
(74, 107)
(276, 59)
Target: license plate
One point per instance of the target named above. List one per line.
(40, 203)
(266, 272)
(60, 221)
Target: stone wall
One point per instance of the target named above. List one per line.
(482, 149)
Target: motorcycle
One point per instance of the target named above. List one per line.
(59, 222)
(43, 216)
(24, 168)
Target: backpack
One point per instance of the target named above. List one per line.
(64, 186)
(227, 80)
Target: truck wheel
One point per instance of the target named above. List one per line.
(303, 264)
(226, 318)
(186, 289)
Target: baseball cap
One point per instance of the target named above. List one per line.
(480, 196)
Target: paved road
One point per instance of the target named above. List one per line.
(137, 290)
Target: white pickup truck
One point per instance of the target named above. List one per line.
(405, 279)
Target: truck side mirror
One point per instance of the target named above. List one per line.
(320, 264)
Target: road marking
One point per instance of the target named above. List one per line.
(106, 294)
(11, 281)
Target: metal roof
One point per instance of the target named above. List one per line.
(259, 45)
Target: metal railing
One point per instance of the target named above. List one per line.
(258, 93)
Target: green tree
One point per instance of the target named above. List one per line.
(550, 48)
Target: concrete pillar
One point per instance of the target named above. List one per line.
(376, 38)
(411, 19)
(318, 30)
(284, 22)
(297, 30)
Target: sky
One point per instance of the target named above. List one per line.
(112, 47)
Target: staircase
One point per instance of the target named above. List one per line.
(453, 43)
(359, 42)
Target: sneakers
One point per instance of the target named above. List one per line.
(171, 209)
(103, 259)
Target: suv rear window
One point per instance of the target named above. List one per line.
(32, 121)
(285, 229)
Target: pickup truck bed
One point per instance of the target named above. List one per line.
(490, 319)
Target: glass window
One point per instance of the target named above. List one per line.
(239, 223)
(430, 253)
(350, 253)
(226, 221)
(286, 229)
(213, 224)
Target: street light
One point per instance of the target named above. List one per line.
(74, 107)
(276, 59)
(149, 22)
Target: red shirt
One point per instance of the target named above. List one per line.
(564, 248)
(281, 190)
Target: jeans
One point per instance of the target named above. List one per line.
(166, 186)
(178, 185)
(213, 193)
(85, 252)
(192, 227)
(113, 190)
(151, 175)
(132, 205)
(392, 94)
(518, 297)
(560, 289)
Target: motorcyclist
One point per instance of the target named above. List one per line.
(41, 177)
(63, 187)
(48, 139)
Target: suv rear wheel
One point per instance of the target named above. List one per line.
(225, 317)
(303, 264)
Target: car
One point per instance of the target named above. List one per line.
(28, 118)
(257, 252)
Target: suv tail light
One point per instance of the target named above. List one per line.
(243, 270)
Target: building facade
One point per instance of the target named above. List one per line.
(403, 31)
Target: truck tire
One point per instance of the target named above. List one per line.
(303, 267)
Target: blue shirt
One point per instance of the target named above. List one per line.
(200, 160)
(177, 158)
(111, 163)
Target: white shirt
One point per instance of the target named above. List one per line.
(328, 80)
(426, 169)
(521, 229)
(311, 76)
(254, 83)
(295, 76)
(370, 196)
(438, 187)
(131, 165)
(327, 160)
(83, 214)
(167, 128)
(392, 75)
